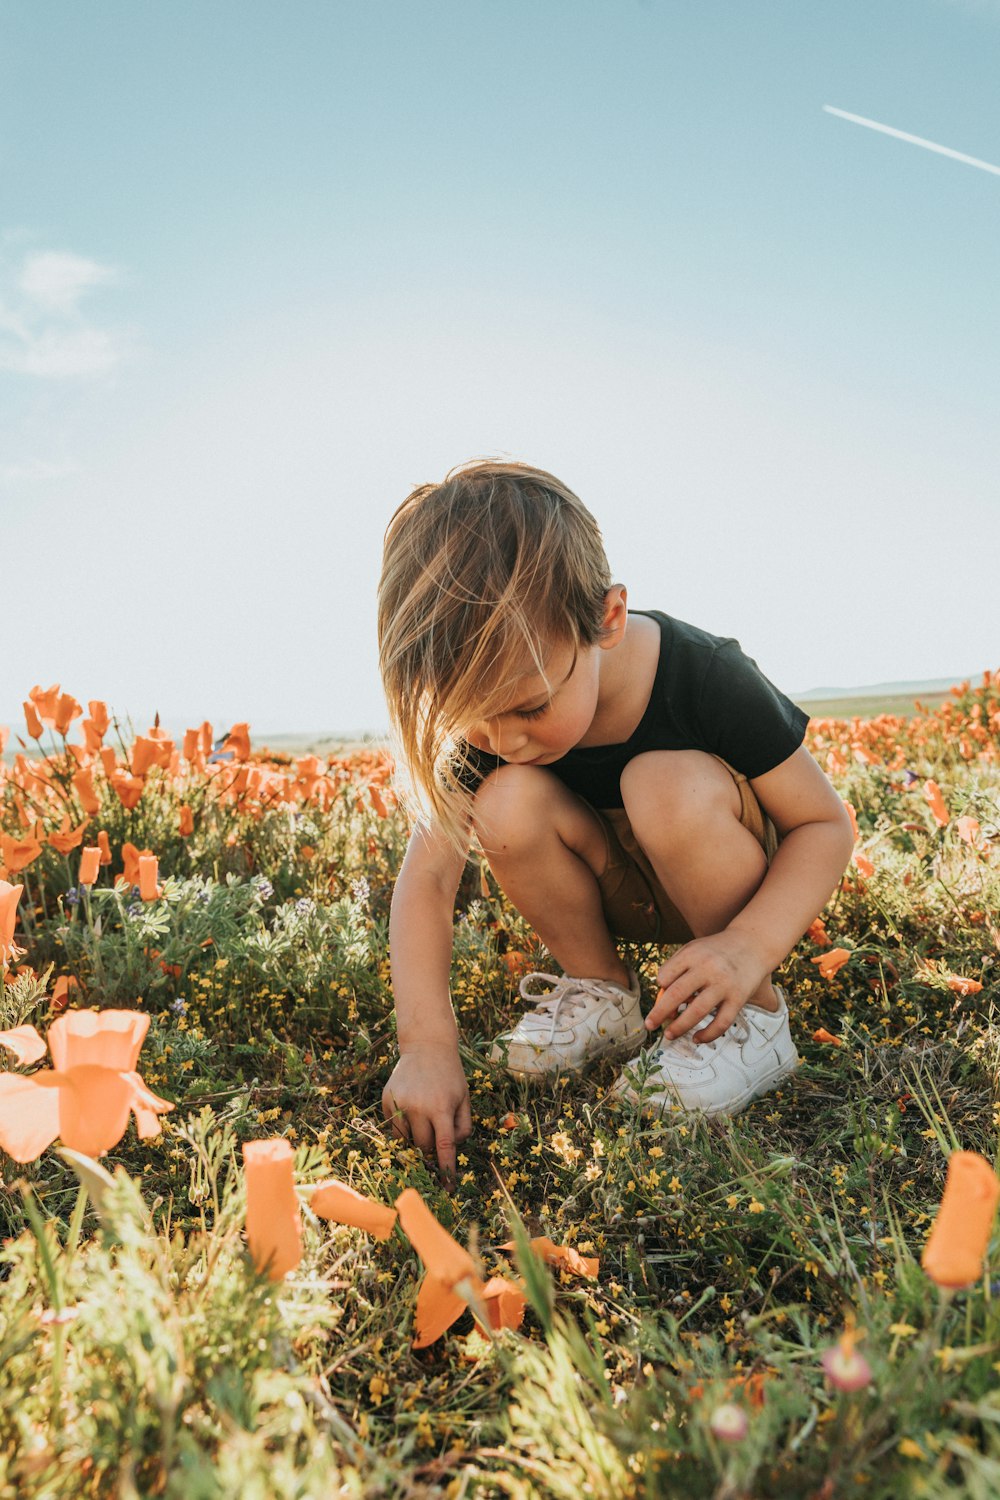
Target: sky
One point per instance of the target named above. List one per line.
(264, 268)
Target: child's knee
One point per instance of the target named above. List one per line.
(677, 792)
(512, 807)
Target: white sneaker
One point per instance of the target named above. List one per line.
(720, 1077)
(575, 1024)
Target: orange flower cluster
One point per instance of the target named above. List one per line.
(966, 728)
(52, 799)
(450, 1283)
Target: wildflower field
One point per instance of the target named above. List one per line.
(222, 1276)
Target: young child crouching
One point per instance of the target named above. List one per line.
(627, 775)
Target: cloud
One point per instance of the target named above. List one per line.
(56, 279)
(35, 471)
(43, 333)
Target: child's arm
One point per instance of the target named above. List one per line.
(427, 1086)
(727, 967)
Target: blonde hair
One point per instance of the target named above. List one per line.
(482, 575)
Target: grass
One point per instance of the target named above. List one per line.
(142, 1355)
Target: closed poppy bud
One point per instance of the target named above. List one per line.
(105, 847)
(936, 803)
(33, 722)
(274, 1220)
(191, 745)
(108, 759)
(844, 1366)
(186, 823)
(955, 1248)
(10, 895)
(90, 864)
(148, 869)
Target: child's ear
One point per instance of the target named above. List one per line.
(615, 615)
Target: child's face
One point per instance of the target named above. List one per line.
(545, 721)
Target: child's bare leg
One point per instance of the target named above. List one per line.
(546, 848)
(684, 809)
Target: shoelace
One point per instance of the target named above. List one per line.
(690, 1048)
(566, 992)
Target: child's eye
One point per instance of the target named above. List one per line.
(532, 713)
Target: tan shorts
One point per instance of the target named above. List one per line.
(636, 906)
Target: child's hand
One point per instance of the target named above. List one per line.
(427, 1099)
(717, 973)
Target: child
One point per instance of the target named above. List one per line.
(627, 776)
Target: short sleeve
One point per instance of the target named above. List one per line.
(743, 717)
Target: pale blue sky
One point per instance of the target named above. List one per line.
(264, 267)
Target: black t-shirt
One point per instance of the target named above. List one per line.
(707, 695)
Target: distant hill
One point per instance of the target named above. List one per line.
(898, 698)
(883, 690)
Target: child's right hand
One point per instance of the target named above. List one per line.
(427, 1099)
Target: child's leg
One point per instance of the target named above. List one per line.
(684, 808)
(547, 848)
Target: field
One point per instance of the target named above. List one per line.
(727, 1308)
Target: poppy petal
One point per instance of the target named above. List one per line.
(24, 1043)
(443, 1256)
(29, 1114)
(336, 1200)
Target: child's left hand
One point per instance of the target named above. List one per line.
(717, 973)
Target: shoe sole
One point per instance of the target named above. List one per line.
(616, 1053)
(763, 1086)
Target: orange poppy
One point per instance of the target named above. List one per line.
(274, 1220)
(968, 829)
(563, 1256)
(130, 859)
(437, 1307)
(86, 1098)
(90, 864)
(962, 986)
(936, 803)
(149, 890)
(99, 715)
(67, 709)
(378, 802)
(10, 895)
(34, 723)
(238, 741)
(831, 963)
(822, 1035)
(59, 998)
(336, 1200)
(129, 789)
(185, 826)
(68, 838)
(145, 753)
(83, 780)
(954, 1252)
(817, 931)
(46, 702)
(105, 847)
(852, 815)
(18, 854)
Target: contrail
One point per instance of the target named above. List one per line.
(915, 140)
